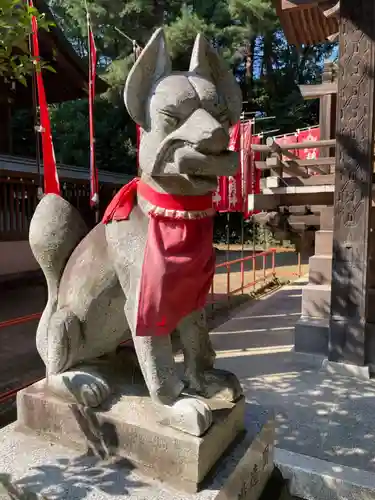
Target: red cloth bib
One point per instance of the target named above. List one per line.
(179, 261)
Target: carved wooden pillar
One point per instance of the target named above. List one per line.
(327, 110)
(352, 321)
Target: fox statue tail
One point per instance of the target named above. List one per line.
(56, 228)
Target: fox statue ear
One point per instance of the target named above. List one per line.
(207, 63)
(153, 64)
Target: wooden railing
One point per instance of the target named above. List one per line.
(294, 181)
(282, 160)
(19, 198)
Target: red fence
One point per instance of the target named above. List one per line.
(262, 268)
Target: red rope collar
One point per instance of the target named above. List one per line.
(123, 202)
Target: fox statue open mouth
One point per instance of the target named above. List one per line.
(144, 272)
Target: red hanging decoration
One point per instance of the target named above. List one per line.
(235, 187)
(228, 195)
(51, 180)
(94, 177)
(220, 196)
(232, 192)
(311, 135)
(287, 139)
(253, 181)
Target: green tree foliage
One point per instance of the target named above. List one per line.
(114, 135)
(282, 68)
(16, 61)
(243, 30)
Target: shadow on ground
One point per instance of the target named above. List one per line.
(73, 479)
(325, 416)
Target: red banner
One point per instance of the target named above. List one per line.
(287, 139)
(231, 194)
(220, 196)
(228, 195)
(253, 183)
(51, 180)
(94, 177)
(311, 135)
(235, 137)
(235, 194)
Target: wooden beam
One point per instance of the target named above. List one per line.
(333, 38)
(303, 209)
(314, 180)
(299, 167)
(278, 220)
(329, 143)
(333, 10)
(276, 163)
(298, 4)
(308, 145)
(261, 165)
(308, 220)
(319, 90)
(287, 190)
(319, 162)
(274, 201)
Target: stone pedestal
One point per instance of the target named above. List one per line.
(38, 464)
(312, 330)
(133, 428)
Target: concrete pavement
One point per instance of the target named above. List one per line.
(325, 423)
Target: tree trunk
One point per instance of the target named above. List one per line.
(159, 12)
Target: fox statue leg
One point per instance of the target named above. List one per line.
(126, 242)
(55, 230)
(199, 357)
(70, 338)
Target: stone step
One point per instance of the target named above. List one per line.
(316, 301)
(315, 479)
(320, 269)
(323, 242)
(326, 219)
(311, 336)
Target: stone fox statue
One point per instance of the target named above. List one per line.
(145, 270)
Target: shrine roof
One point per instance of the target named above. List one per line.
(70, 81)
(308, 22)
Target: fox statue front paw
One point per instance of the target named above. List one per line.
(83, 386)
(189, 415)
(215, 383)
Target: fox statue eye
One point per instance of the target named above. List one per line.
(170, 120)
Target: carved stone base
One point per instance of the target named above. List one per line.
(36, 468)
(132, 427)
